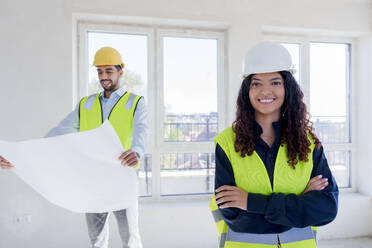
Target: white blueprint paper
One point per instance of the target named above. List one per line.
(80, 172)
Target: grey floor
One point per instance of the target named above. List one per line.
(346, 243)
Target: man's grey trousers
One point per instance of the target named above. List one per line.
(98, 228)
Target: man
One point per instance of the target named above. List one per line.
(127, 114)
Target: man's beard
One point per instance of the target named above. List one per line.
(111, 87)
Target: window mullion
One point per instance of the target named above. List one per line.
(222, 90)
(159, 113)
(348, 92)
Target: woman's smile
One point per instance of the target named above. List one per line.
(266, 100)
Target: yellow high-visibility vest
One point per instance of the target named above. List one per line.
(250, 175)
(121, 116)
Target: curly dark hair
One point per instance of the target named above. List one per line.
(295, 123)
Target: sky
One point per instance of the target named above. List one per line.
(328, 79)
(190, 75)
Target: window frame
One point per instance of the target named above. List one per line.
(181, 146)
(155, 89)
(304, 41)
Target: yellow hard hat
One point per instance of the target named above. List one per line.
(107, 56)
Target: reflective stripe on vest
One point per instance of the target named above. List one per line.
(220, 223)
(251, 175)
(121, 116)
(292, 235)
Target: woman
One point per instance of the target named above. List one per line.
(273, 184)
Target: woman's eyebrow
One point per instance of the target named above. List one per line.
(277, 78)
(256, 79)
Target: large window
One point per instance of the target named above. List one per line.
(180, 73)
(330, 103)
(190, 112)
(323, 70)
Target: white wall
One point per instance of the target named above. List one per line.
(36, 45)
(363, 114)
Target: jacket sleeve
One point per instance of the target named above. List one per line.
(140, 128)
(314, 208)
(224, 176)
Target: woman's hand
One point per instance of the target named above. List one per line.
(5, 164)
(230, 196)
(316, 183)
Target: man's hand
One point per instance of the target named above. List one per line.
(5, 164)
(231, 196)
(129, 158)
(316, 183)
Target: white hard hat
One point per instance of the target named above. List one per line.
(267, 57)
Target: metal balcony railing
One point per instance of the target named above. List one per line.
(203, 127)
(190, 128)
